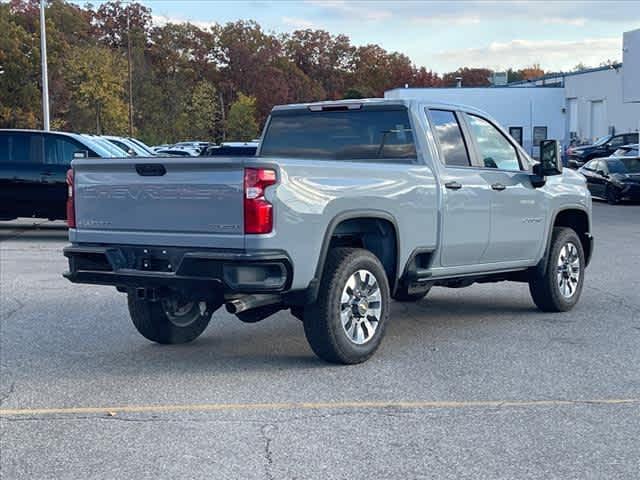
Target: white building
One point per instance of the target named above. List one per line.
(527, 113)
(583, 105)
(594, 102)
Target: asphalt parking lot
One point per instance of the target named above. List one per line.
(469, 383)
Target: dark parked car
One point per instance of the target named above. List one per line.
(33, 169)
(603, 147)
(613, 178)
(231, 149)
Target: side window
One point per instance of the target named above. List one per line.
(631, 138)
(20, 147)
(591, 165)
(602, 166)
(495, 150)
(617, 141)
(5, 148)
(450, 138)
(59, 150)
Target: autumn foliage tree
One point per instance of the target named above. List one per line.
(185, 79)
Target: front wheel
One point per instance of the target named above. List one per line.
(347, 323)
(558, 290)
(171, 320)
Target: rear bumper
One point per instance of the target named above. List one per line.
(213, 272)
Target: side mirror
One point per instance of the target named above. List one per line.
(80, 154)
(550, 158)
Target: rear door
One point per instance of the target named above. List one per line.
(518, 210)
(466, 195)
(59, 151)
(20, 180)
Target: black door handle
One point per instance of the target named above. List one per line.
(150, 169)
(453, 185)
(498, 186)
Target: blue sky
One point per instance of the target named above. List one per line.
(442, 35)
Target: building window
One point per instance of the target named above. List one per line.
(539, 134)
(516, 133)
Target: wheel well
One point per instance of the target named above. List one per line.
(578, 220)
(374, 234)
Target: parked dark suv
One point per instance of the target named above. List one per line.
(603, 147)
(33, 167)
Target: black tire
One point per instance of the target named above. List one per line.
(154, 323)
(402, 295)
(612, 195)
(322, 320)
(545, 288)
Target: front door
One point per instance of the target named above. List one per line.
(596, 182)
(466, 196)
(518, 210)
(20, 180)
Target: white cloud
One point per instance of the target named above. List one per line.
(575, 13)
(550, 54)
(300, 23)
(576, 22)
(160, 20)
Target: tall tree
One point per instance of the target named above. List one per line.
(97, 79)
(203, 114)
(241, 124)
(19, 81)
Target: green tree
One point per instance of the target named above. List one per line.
(97, 78)
(241, 124)
(19, 81)
(203, 113)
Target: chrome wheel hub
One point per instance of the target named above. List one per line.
(568, 270)
(181, 313)
(361, 307)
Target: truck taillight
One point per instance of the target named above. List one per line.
(258, 212)
(71, 207)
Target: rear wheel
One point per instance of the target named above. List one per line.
(171, 320)
(347, 323)
(558, 290)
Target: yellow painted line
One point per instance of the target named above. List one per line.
(228, 407)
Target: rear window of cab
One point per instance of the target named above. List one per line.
(365, 134)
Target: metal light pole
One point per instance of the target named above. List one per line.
(129, 73)
(45, 81)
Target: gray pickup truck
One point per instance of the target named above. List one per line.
(345, 206)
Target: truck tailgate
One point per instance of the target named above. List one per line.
(160, 201)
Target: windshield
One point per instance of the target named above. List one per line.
(624, 165)
(97, 147)
(115, 151)
(142, 145)
(374, 133)
(602, 140)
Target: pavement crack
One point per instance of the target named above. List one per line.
(9, 392)
(12, 312)
(267, 430)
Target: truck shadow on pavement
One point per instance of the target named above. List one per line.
(33, 230)
(279, 342)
